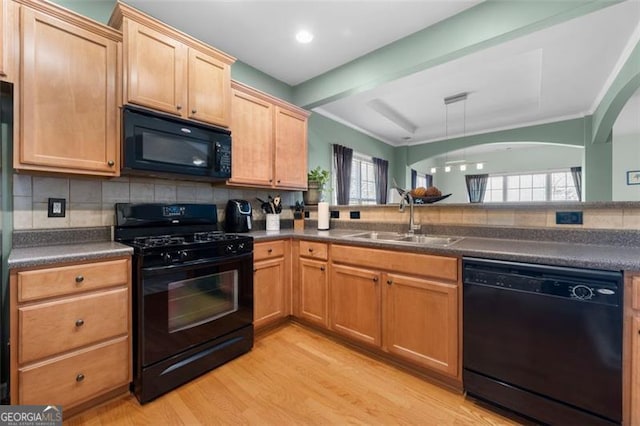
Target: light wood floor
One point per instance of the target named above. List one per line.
(294, 376)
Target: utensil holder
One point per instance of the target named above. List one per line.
(273, 222)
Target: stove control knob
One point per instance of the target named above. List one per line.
(240, 246)
(183, 254)
(230, 249)
(167, 257)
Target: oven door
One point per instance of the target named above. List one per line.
(185, 305)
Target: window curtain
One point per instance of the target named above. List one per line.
(380, 169)
(476, 187)
(429, 180)
(414, 179)
(342, 159)
(576, 173)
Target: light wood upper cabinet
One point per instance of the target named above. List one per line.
(290, 169)
(209, 95)
(421, 321)
(355, 303)
(635, 372)
(252, 130)
(170, 71)
(156, 68)
(68, 96)
(3, 37)
(269, 141)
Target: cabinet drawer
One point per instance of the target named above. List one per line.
(77, 377)
(425, 265)
(313, 250)
(48, 328)
(72, 279)
(268, 250)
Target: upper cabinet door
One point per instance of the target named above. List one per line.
(252, 132)
(156, 69)
(4, 37)
(291, 149)
(209, 89)
(68, 96)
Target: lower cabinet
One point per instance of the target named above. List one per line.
(421, 322)
(271, 283)
(631, 348)
(405, 304)
(70, 343)
(311, 290)
(313, 296)
(355, 303)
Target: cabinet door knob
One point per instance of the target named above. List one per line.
(111, 163)
(375, 279)
(389, 282)
(322, 268)
(270, 250)
(79, 279)
(255, 270)
(310, 250)
(79, 377)
(178, 107)
(193, 111)
(278, 181)
(79, 323)
(270, 180)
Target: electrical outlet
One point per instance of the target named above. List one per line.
(354, 215)
(306, 214)
(57, 207)
(335, 214)
(569, 218)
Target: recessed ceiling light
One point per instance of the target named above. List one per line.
(304, 36)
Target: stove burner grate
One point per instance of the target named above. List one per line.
(159, 241)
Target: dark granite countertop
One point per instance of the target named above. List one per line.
(45, 255)
(593, 256)
(610, 256)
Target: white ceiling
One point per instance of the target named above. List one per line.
(556, 73)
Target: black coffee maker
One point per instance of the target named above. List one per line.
(237, 216)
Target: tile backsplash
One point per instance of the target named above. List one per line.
(90, 202)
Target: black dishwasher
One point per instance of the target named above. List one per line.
(544, 341)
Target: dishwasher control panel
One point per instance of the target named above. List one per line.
(572, 283)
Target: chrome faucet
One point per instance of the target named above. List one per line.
(407, 198)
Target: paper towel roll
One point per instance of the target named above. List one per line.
(323, 216)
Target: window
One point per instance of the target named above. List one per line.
(542, 186)
(421, 180)
(363, 182)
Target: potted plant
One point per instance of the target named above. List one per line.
(316, 181)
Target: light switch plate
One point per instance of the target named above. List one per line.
(57, 207)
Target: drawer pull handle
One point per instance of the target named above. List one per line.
(375, 279)
(310, 250)
(322, 268)
(79, 323)
(79, 377)
(389, 282)
(270, 251)
(79, 279)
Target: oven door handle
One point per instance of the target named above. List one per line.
(156, 270)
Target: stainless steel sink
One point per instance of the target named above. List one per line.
(415, 239)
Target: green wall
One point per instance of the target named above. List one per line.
(324, 132)
(98, 10)
(257, 79)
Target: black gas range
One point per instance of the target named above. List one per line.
(192, 293)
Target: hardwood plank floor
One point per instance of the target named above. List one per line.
(294, 376)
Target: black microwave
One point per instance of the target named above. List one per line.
(155, 144)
